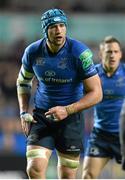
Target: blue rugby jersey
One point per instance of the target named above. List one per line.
(106, 113)
(59, 75)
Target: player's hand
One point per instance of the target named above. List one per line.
(26, 120)
(123, 163)
(57, 113)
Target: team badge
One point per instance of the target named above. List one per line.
(62, 64)
(120, 82)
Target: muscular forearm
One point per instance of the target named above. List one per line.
(93, 95)
(23, 100)
(89, 100)
(58, 113)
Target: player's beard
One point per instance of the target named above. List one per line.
(55, 44)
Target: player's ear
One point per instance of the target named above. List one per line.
(100, 54)
(101, 49)
(121, 54)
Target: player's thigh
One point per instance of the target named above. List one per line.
(37, 157)
(93, 165)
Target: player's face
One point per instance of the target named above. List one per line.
(111, 55)
(57, 34)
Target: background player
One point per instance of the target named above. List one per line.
(104, 144)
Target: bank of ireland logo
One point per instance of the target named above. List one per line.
(108, 91)
(50, 73)
(86, 58)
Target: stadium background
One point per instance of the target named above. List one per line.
(89, 21)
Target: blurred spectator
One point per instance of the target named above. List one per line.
(12, 141)
(63, 4)
(17, 49)
(115, 6)
(3, 4)
(78, 6)
(8, 80)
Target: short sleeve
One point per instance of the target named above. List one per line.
(26, 61)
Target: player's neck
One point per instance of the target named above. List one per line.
(109, 70)
(54, 48)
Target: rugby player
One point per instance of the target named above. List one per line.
(104, 144)
(61, 65)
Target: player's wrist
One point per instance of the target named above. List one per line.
(26, 116)
(70, 109)
(22, 113)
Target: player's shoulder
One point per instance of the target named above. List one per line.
(34, 46)
(78, 47)
(98, 66)
(122, 66)
(77, 44)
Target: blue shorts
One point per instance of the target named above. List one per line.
(103, 144)
(66, 135)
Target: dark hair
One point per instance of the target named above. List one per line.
(109, 39)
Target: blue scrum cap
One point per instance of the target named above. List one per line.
(50, 17)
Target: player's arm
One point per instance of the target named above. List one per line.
(122, 136)
(93, 95)
(24, 84)
(92, 84)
